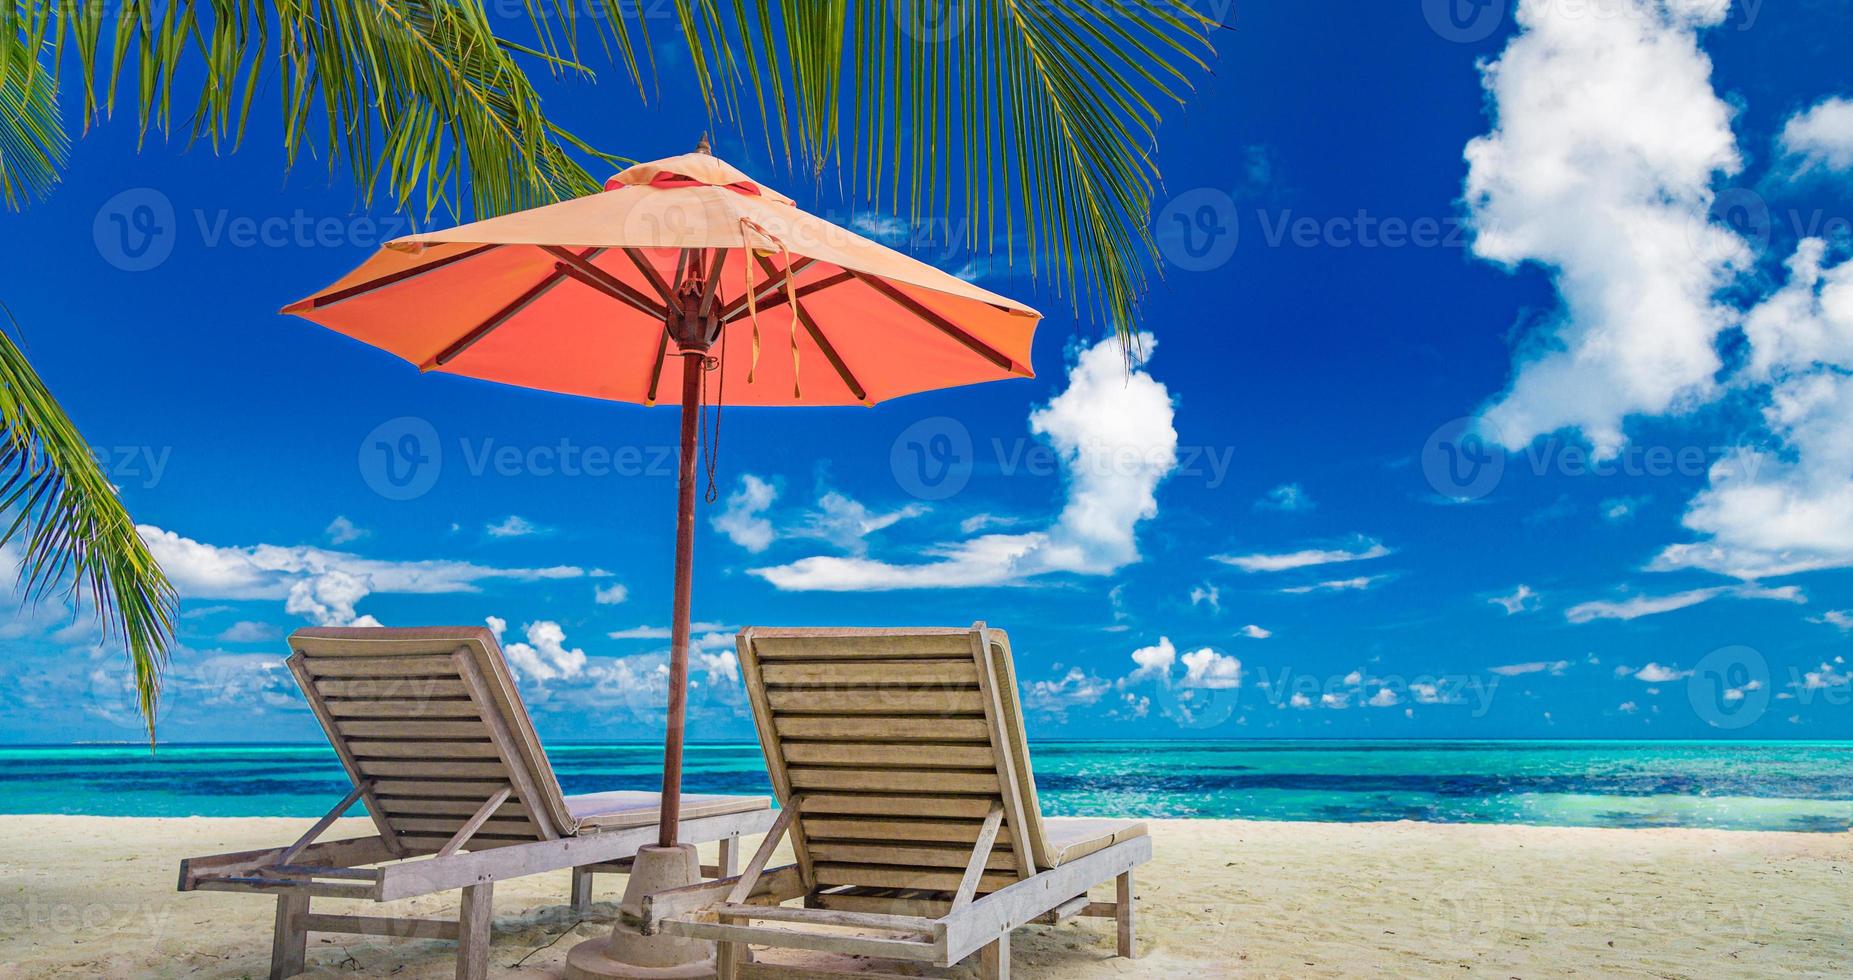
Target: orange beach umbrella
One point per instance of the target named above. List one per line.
(623, 294)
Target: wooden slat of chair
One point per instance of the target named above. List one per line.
(938, 702)
(905, 876)
(943, 673)
(887, 728)
(432, 769)
(402, 709)
(435, 665)
(394, 689)
(912, 855)
(857, 828)
(926, 781)
(869, 804)
(886, 754)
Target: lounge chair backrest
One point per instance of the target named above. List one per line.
(897, 743)
(431, 718)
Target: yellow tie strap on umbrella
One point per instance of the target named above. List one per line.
(791, 299)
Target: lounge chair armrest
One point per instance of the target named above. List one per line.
(350, 853)
(774, 886)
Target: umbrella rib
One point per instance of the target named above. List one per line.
(330, 299)
(502, 316)
(656, 367)
(642, 262)
(711, 289)
(763, 292)
(772, 302)
(605, 282)
(932, 318)
(822, 342)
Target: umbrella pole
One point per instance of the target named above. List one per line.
(678, 630)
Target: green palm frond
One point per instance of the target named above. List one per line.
(412, 95)
(1031, 120)
(73, 532)
(33, 142)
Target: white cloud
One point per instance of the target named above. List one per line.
(1635, 607)
(1840, 619)
(1203, 668)
(1778, 514)
(1135, 705)
(317, 583)
(1112, 429)
(980, 522)
(1335, 699)
(662, 632)
(1306, 558)
(1154, 662)
(328, 599)
(512, 526)
(847, 523)
(1207, 668)
(610, 595)
(545, 656)
(1254, 632)
(1289, 497)
(1076, 688)
(1522, 599)
(1655, 674)
(1384, 698)
(1555, 667)
(1299, 700)
(341, 531)
(1358, 584)
(1827, 675)
(1608, 136)
(247, 631)
(1821, 136)
(1620, 510)
(1206, 594)
(743, 518)
(1629, 707)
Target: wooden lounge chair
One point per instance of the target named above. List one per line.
(903, 777)
(434, 736)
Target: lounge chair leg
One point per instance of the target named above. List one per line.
(727, 960)
(730, 856)
(994, 960)
(582, 890)
(1122, 914)
(289, 942)
(473, 922)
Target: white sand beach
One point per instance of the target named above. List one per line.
(94, 897)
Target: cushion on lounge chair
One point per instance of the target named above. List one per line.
(1072, 838)
(627, 808)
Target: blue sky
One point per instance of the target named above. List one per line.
(1498, 387)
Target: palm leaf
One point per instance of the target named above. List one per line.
(74, 534)
(33, 142)
(1037, 117)
(413, 96)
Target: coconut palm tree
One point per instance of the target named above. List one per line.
(1030, 122)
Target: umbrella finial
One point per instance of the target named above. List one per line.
(701, 145)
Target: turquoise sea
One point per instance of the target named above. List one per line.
(1749, 786)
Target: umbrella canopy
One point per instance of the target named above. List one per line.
(572, 297)
(630, 292)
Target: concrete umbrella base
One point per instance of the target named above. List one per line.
(629, 953)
